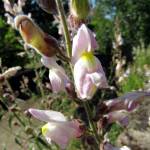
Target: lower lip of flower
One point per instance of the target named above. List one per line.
(88, 59)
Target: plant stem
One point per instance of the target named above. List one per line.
(65, 28)
(19, 119)
(92, 125)
(39, 82)
(9, 87)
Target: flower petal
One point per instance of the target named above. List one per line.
(47, 115)
(88, 75)
(58, 80)
(118, 116)
(79, 75)
(89, 88)
(84, 41)
(103, 82)
(57, 75)
(108, 146)
(49, 62)
(61, 132)
(128, 102)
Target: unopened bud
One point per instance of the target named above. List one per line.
(35, 38)
(79, 10)
(48, 5)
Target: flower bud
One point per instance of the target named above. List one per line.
(79, 10)
(48, 5)
(35, 38)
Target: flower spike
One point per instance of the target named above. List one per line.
(57, 75)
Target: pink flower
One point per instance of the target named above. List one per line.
(57, 129)
(120, 117)
(128, 102)
(118, 109)
(57, 75)
(88, 72)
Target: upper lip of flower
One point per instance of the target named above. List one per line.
(19, 19)
(83, 42)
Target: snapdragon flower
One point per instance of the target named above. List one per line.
(118, 109)
(35, 38)
(58, 129)
(120, 117)
(58, 78)
(88, 72)
(128, 102)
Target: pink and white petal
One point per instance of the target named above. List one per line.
(129, 101)
(61, 133)
(124, 121)
(115, 104)
(76, 51)
(108, 146)
(49, 62)
(125, 148)
(76, 126)
(133, 99)
(81, 43)
(104, 83)
(118, 116)
(47, 115)
(96, 78)
(89, 37)
(94, 44)
(79, 75)
(48, 140)
(89, 88)
(57, 80)
(65, 79)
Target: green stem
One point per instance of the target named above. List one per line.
(39, 139)
(9, 86)
(19, 119)
(65, 28)
(92, 125)
(39, 82)
(45, 144)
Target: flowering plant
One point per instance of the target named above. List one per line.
(86, 70)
